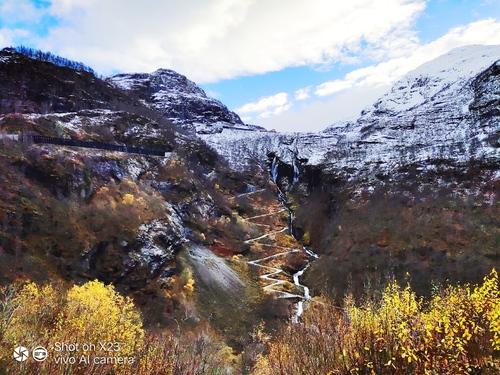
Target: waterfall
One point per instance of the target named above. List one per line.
(306, 296)
(291, 218)
(274, 170)
(311, 253)
(296, 171)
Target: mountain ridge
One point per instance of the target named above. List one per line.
(436, 111)
(433, 110)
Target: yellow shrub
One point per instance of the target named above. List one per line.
(96, 313)
(187, 277)
(189, 287)
(33, 319)
(128, 199)
(306, 238)
(486, 300)
(117, 211)
(455, 332)
(92, 313)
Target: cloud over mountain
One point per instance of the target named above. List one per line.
(213, 40)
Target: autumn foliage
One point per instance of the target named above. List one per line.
(456, 332)
(32, 315)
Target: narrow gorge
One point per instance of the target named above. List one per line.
(273, 276)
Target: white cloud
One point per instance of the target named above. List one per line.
(217, 39)
(5, 37)
(19, 11)
(318, 114)
(266, 106)
(8, 36)
(332, 87)
(302, 94)
(14, 15)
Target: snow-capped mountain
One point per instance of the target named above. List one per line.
(448, 108)
(180, 100)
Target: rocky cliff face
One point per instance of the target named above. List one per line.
(180, 101)
(411, 186)
(80, 213)
(446, 109)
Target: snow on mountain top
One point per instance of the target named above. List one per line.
(179, 99)
(459, 63)
(6, 54)
(160, 80)
(127, 81)
(445, 73)
(430, 113)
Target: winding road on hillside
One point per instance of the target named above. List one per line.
(270, 277)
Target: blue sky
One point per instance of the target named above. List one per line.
(297, 68)
(23, 15)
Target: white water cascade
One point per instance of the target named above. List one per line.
(296, 171)
(299, 310)
(274, 170)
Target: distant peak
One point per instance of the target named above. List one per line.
(464, 61)
(162, 71)
(178, 98)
